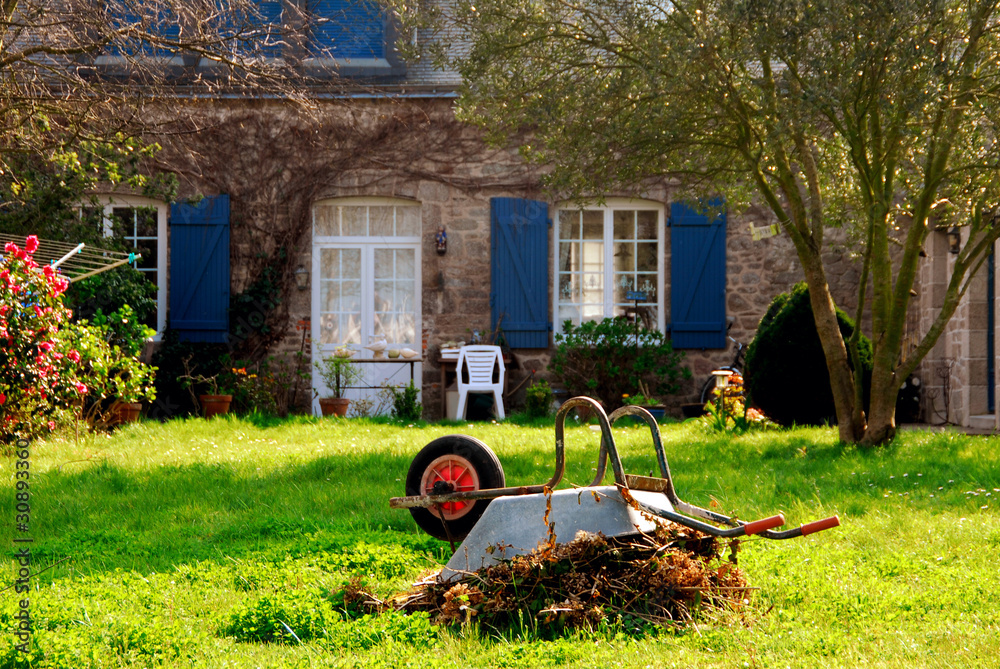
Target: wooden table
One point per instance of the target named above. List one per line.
(386, 361)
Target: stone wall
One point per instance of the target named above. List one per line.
(419, 153)
(954, 374)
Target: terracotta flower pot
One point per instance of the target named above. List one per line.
(126, 412)
(334, 406)
(212, 405)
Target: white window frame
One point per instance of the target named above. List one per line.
(609, 206)
(368, 245)
(107, 204)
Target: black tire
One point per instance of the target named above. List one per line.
(464, 461)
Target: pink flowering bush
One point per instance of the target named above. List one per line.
(38, 376)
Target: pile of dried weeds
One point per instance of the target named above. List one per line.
(659, 579)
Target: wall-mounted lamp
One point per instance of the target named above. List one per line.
(441, 241)
(301, 278)
(954, 240)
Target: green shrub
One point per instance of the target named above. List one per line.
(101, 298)
(404, 402)
(786, 373)
(600, 359)
(538, 399)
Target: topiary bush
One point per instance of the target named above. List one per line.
(786, 374)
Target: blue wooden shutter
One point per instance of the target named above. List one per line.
(519, 286)
(697, 277)
(165, 24)
(347, 29)
(270, 28)
(199, 269)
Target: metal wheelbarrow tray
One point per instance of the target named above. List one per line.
(455, 491)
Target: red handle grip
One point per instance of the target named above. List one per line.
(820, 525)
(764, 524)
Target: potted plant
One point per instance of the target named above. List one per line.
(646, 401)
(131, 382)
(217, 398)
(338, 372)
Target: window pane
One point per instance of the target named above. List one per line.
(124, 221)
(325, 220)
(623, 284)
(146, 222)
(385, 263)
(647, 284)
(404, 295)
(646, 225)
(146, 247)
(593, 256)
(407, 329)
(624, 256)
(569, 288)
(329, 326)
(646, 257)
(593, 288)
(394, 295)
(593, 225)
(407, 221)
(569, 225)
(384, 297)
(354, 221)
(350, 297)
(340, 296)
(569, 256)
(381, 221)
(350, 327)
(624, 224)
(405, 263)
(569, 313)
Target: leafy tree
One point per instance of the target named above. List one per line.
(878, 116)
(83, 86)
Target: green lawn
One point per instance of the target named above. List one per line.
(183, 542)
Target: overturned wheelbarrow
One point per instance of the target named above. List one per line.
(455, 491)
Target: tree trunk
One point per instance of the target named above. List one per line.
(850, 417)
(882, 409)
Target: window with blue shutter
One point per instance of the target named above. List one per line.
(199, 269)
(165, 24)
(267, 28)
(519, 271)
(253, 30)
(698, 276)
(347, 29)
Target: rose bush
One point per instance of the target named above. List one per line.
(48, 365)
(37, 374)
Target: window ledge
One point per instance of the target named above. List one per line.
(164, 61)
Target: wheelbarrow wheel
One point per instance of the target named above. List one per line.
(455, 463)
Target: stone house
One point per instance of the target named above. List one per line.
(355, 195)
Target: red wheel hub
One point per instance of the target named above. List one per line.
(456, 472)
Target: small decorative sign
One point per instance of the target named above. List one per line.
(763, 232)
(637, 295)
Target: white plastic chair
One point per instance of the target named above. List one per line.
(480, 363)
